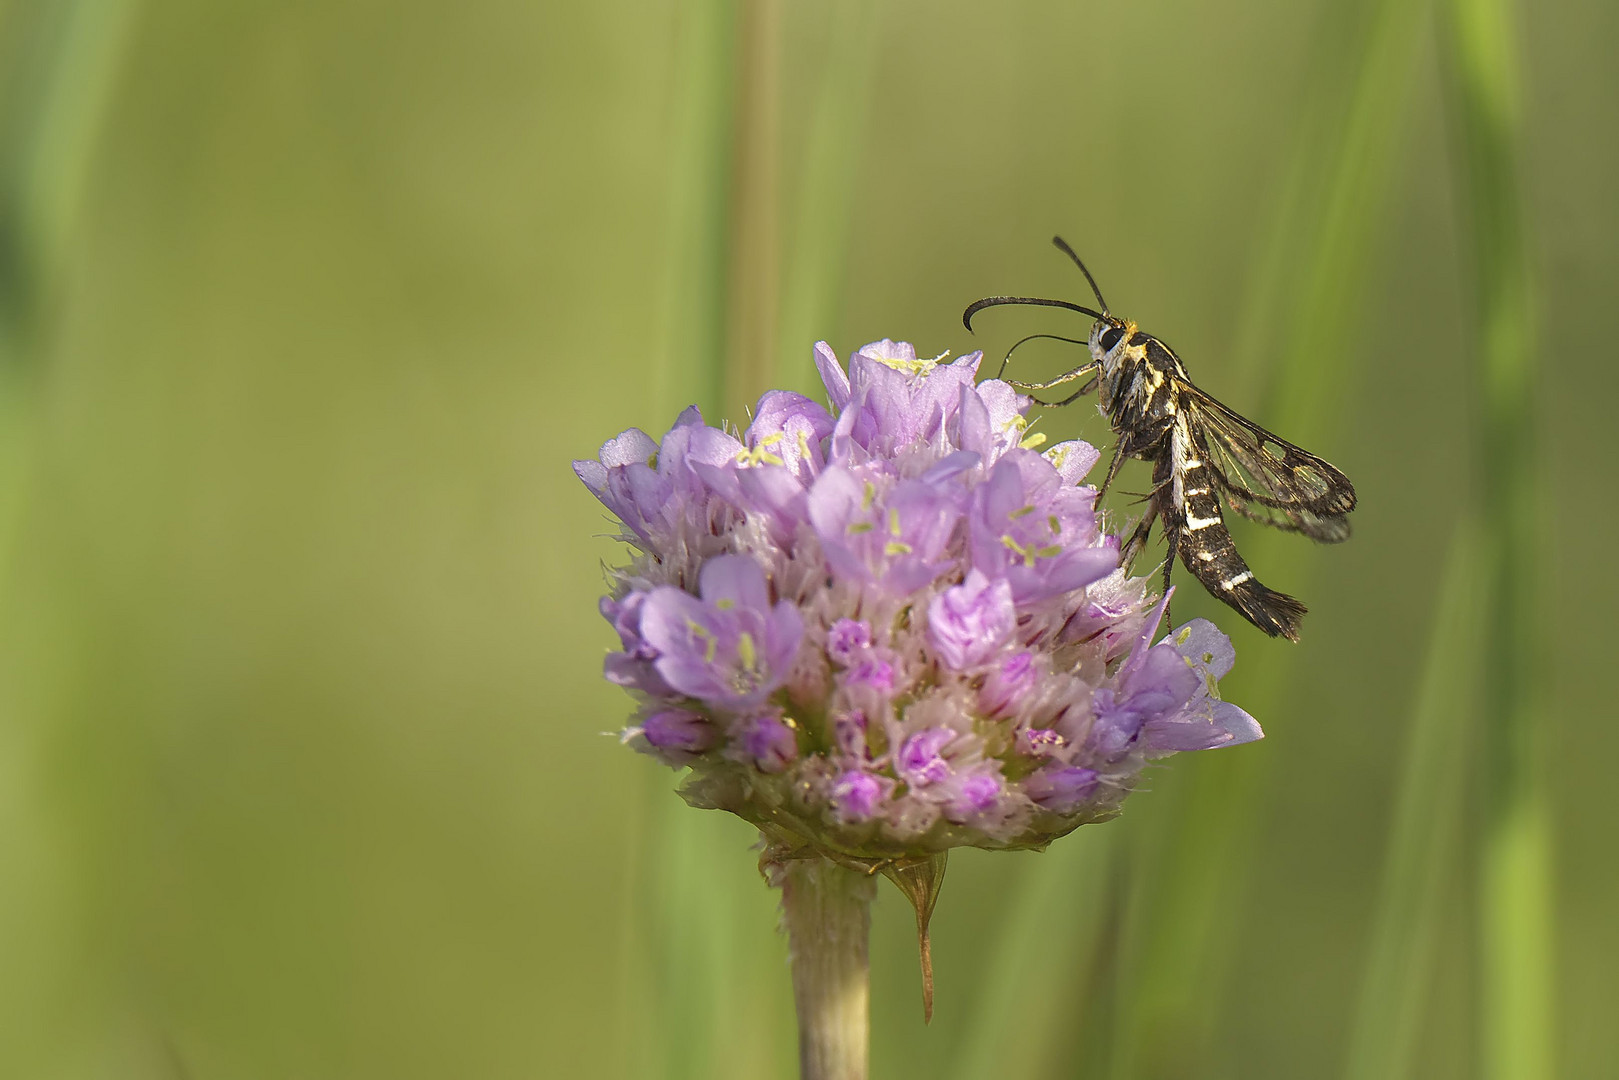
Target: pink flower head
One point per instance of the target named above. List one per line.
(890, 626)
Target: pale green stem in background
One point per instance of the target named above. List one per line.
(826, 910)
(1516, 865)
(692, 367)
(819, 240)
(64, 60)
(1178, 952)
(686, 924)
(693, 914)
(1426, 827)
(54, 103)
(755, 270)
(722, 335)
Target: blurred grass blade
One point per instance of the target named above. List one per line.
(686, 925)
(1515, 884)
(65, 58)
(1178, 953)
(52, 105)
(1425, 834)
(700, 977)
(56, 99)
(722, 995)
(1026, 1003)
(755, 270)
(824, 202)
(692, 364)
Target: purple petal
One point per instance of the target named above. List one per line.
(950, 467)
(918, 761)
(734, 581)
(846, 639)
(768, 743)
(680, 627)
(1061, 788)
(788, 430)
(1073, 460)
(593, 474)
(1027, 527)
(832, 376)
(679, 730)
(629, 448)
(974, 795)
(856, 796)
(1205, 647)
(1223, 725)
(972, 427)
(784, 629)
(1008, 684)
(968, 623)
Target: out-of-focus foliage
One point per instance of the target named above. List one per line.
(304, 309)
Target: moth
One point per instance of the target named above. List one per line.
(1203, 455)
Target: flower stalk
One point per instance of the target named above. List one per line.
(827, 912)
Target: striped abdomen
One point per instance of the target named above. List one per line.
(1207, 550)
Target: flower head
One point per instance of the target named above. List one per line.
(893, 627)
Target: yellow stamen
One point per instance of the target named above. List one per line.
(761, 455)
(919, 366)
(1024, 553)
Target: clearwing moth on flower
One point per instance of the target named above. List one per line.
(896, 627)
(1204, 455)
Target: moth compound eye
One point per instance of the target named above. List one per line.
(1111, 338)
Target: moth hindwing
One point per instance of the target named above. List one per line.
(1205, 458)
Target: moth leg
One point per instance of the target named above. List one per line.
(1007, 359)
(1172, 533)
(1139, 537)
(1112, 470)
(1090, 385)
(1061, 380)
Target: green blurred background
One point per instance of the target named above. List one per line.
(305, 307)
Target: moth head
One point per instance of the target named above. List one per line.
(1108, 334)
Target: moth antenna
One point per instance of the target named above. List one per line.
(1062, 246)
(1030, 301)
(1031, 337)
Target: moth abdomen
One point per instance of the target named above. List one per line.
(1276, 613)
(1206, 548)
(1211, 556)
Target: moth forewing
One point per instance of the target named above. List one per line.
(1249, 469)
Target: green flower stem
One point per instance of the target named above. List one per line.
(827, 911)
